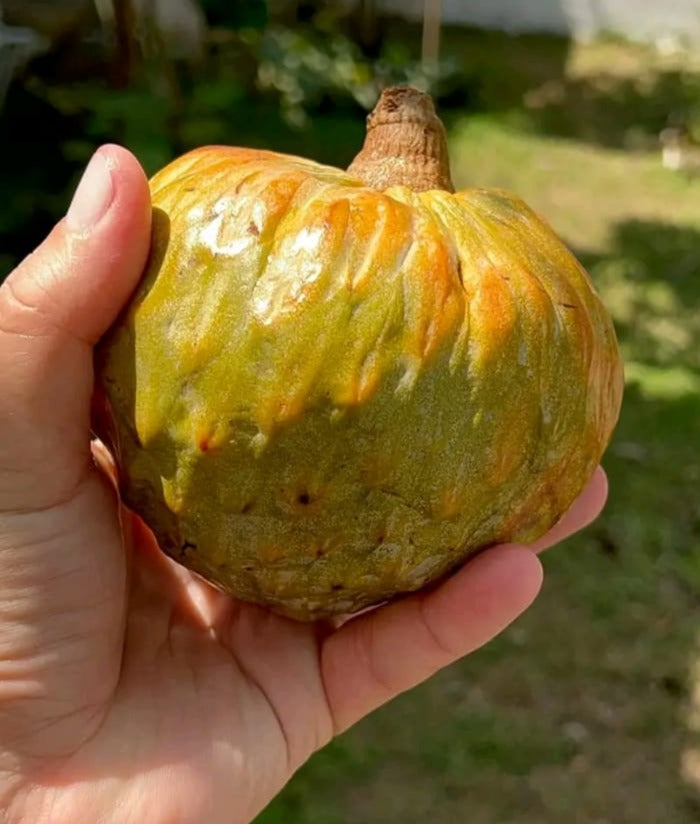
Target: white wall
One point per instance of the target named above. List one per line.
(647, 20)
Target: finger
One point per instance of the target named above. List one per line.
(582, 512)
(374, 657)
(53, 308)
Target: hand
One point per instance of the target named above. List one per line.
(129, 690)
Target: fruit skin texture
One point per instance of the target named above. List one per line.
(323, 395)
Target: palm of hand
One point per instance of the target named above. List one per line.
(158, 694)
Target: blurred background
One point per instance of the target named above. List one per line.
(588, 709)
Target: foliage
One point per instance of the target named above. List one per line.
(236, 14)
(308, 68)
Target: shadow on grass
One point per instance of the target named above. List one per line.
(651, 526)
(613, 111)
(651, 279)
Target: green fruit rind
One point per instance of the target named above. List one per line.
(323, 396)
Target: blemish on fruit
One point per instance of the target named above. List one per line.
(186, 547)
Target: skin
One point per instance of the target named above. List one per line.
(129, 690)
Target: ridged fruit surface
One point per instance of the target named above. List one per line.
(323, 395)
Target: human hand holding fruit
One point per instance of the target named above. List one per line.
(129, 688)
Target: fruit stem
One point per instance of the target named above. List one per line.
(405, 144)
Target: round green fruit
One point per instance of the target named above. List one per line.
(331, 387)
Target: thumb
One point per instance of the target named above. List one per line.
(53, 309)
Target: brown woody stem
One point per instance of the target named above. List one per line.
(405, 144)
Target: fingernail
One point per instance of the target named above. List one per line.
(92, 197)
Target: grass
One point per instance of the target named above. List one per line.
(583, 711)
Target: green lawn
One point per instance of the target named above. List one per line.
(583, 711)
